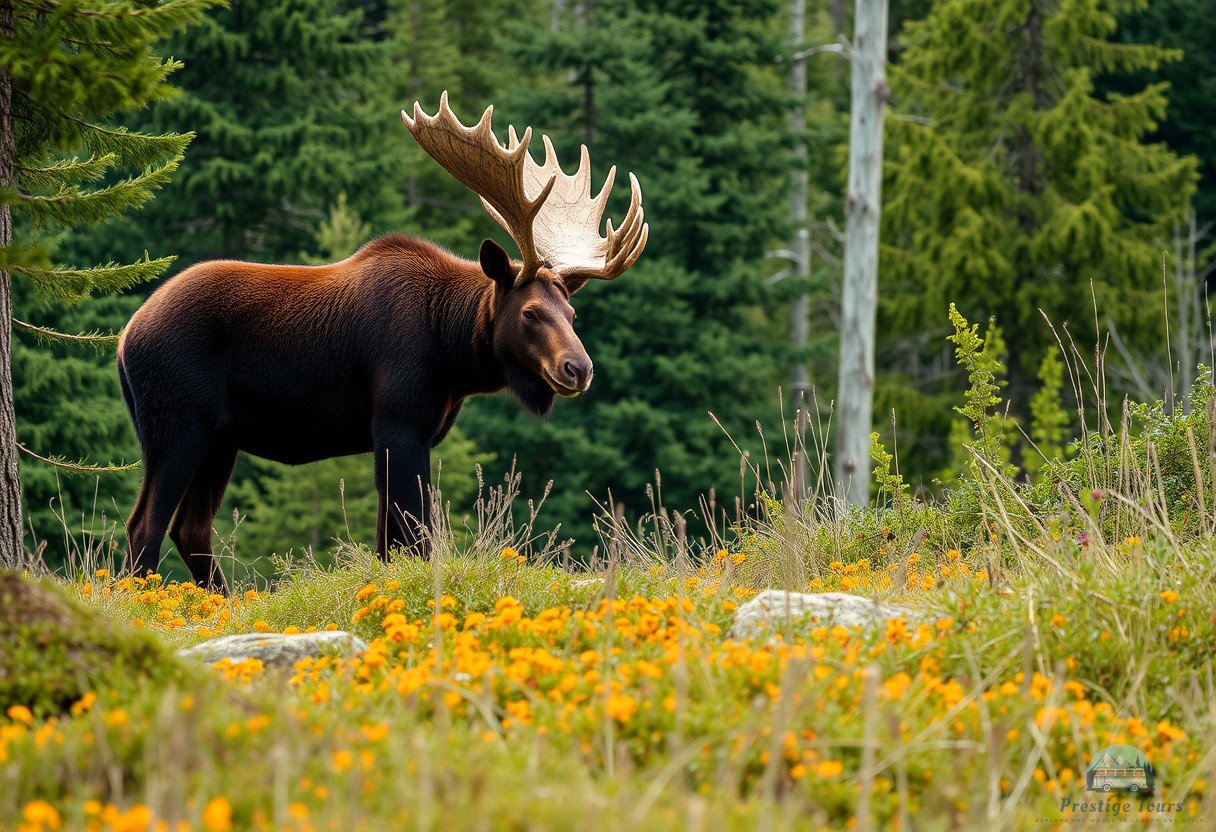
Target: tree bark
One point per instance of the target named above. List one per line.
(855, 398)
(12, 552)
(800, 384)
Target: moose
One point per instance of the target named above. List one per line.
(374, 353)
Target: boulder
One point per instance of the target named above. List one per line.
(276, 649)
(773, 609)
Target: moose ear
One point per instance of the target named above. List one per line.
(575, 281)
(496, 264)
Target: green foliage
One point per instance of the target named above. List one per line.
(53, 651)
(339, 236)
(1049, 421)
(981, 358)
(278, 95)
(1015, 183)
(888, 484)
(688, 95)
(74, 65)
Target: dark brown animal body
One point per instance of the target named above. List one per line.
(296, 364)
(376, 353)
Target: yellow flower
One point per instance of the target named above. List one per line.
(827, 769)
(41, 815)
(342, 759)
(508, 553)
(621, 707)
(1169, 596)
(20, 713)
(217, 815)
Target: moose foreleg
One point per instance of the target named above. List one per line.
(403, 480)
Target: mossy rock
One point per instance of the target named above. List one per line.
(53, 650)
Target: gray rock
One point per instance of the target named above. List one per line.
(275, 649)
(773, 608)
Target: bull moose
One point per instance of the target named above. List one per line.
(373, 353)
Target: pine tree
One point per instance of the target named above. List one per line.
(689, 95)
(1012, 185)
(284, 100)
(65, 69)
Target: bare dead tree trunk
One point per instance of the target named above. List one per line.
(855, 398)
(800, 384)
(11, 547)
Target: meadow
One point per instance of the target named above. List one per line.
(505, 689)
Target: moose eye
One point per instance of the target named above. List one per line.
(529, 315)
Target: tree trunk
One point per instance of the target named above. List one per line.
(800, 384)
(12, 552)
(855, 398)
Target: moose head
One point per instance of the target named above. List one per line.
(555, 222)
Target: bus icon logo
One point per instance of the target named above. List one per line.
(1119, 768)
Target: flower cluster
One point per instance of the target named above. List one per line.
(165, 605)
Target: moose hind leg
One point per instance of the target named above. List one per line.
(167, 474)
(191, 530)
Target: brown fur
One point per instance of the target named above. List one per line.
(301, 363)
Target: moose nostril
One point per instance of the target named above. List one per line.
(572, 370)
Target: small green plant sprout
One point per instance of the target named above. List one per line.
(1048, 419)
(981, 358)
(886, 481)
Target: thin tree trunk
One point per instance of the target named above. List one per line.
(855, 399)
(800, 309)
(11, 547)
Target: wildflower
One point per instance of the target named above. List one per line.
(827, 769)
(217, 815)
(41, 815)
(20, 713)
(621, 707)
(1169, 596)
(1132, 540)
(509, 553)
(342, 760)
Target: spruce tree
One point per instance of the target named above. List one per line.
(689, 95)
(65, 69)
(284, 100)
(1012, 185)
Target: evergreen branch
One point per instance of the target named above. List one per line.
(73, 206)
(73, 285)
(64, 170)
(45, 335)
(151, 22)
(80, 467)
(132, 150)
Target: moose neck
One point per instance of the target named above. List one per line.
(463, 321)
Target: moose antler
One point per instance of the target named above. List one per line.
(551, 215)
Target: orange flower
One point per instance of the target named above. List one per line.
(217, 815)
